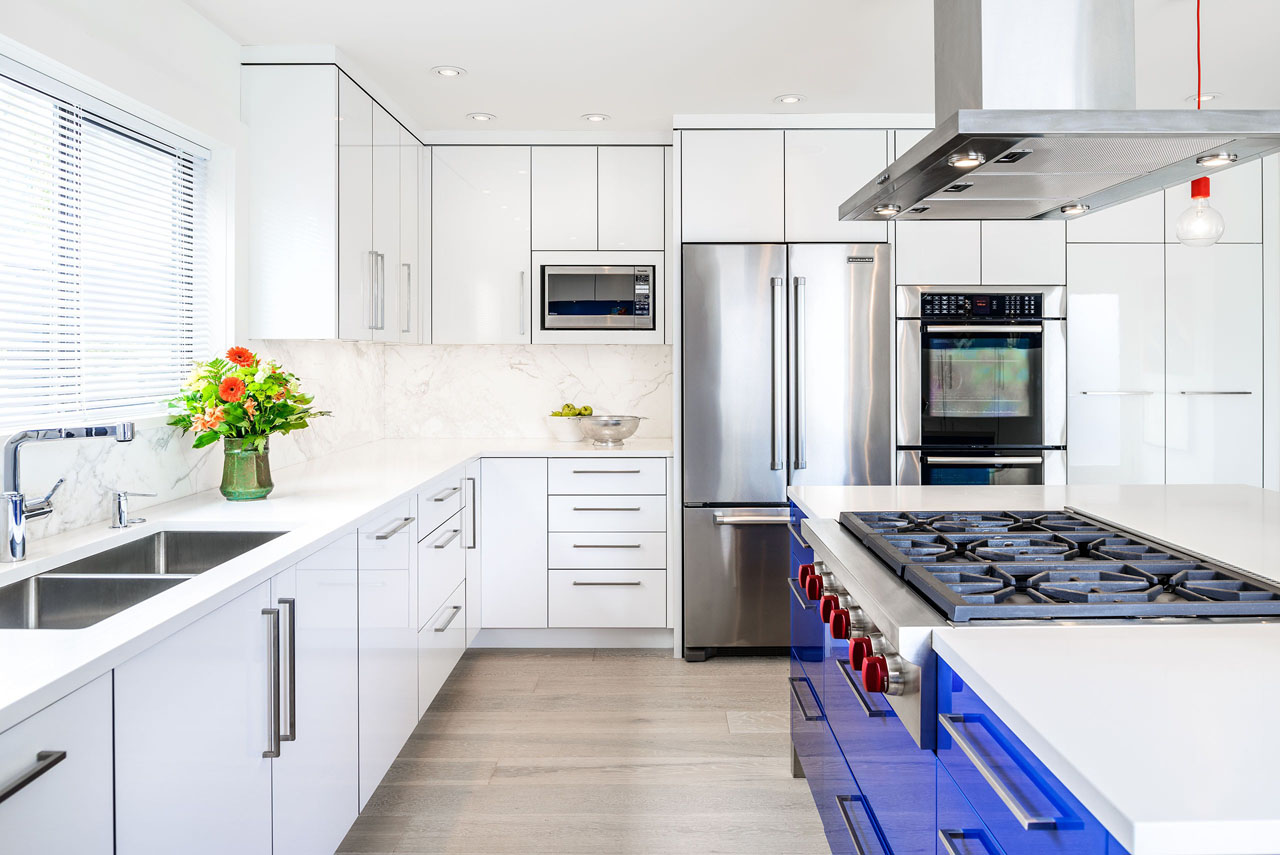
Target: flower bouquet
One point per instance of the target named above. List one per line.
(241, 400)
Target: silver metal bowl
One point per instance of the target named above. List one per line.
(608, 430)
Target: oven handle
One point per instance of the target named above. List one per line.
(985, 461)
(777, 456)
(982, 328)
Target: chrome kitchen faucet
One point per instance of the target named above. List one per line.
(17, 510)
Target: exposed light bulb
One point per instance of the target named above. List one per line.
(1201, 224)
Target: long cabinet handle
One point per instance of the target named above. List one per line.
(997, 329)
(394, 530)
(449, 538)
(1118, 393)
(947, 837)
(578, 584)
(795, 532)
(453, 613)
(606, 546)
(606, 472)
(606, 509)
(445, 494)
(985, 461)
(800, 424)
(273, 684)
(1207, 392)
(795, 693)
(859, 845)
(45, 760)
(750, 520)
(777, 453)
(520, 302)
(804, 601)
(408, 298)
(871, 711)
(472, 500)
(372, 306)
(289, 662)
(1025, 817)
(381, 267)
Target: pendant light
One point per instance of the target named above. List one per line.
(1201, 224)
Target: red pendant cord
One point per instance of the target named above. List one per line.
(1198, 95)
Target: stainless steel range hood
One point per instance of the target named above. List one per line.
(1040, 96)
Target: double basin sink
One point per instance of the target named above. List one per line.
(89, 590)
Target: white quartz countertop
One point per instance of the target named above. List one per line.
(314, 502)
(1165, 732)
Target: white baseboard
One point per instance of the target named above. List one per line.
(562, 637)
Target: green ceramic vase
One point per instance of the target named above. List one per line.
(246, 471)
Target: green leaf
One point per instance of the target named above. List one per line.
(206, 438)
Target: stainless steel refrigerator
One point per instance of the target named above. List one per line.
(787, 380)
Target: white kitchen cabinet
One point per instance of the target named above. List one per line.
(1139, 220)
(1214, 362)
(513, 539)
(823, 169)
(191, 727)
(608, 476)
(607, 513)
(388, 641)
(632, 196)
(408, 280)
(1116, 364)
(905, 138)
(564, 197)
(1024, 253)
(315, 780)
(939, 253)
(612, 549)
(442, 566)
(607, 598)
(732, 186)
(441, 643)
(481, 282)
(68, 809)
(1235, 192)
(471, 549)
(388, 299)
(357, 259)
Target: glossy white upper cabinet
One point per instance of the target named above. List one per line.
(632, 197)
(1115, 364)
(823, 169)
(1214, 341)
(732, 186)
(1139, 220)
(1235, 192)
(564, 197)
(68, 809)
(408, 275)
(1024, 252)
(386, 305)
(481, 282)
(938, 253)
(192, 724)
(513, 539)
(357, 260)
(904, 139)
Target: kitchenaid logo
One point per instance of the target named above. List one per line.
(860, 259)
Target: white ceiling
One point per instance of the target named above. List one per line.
(540, 65)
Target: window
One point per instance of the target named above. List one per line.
(103, 262)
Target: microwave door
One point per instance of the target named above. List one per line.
(1046, 466)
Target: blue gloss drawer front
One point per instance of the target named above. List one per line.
(806, 624)
(1024, 807)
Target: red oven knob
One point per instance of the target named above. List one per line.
(859, 649)
(805, 571)
(830, 602)
(813, 587)
(840, 624)
(875, 674)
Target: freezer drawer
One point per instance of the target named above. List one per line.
(736, 563)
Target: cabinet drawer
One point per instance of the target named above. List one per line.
(607, 598)
(441, 566)
(437, 503)
(607, 513)
(385, 540)
(441, 642)
(607, 549)
(607, 475)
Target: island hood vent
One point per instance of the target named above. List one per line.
(1039, 120)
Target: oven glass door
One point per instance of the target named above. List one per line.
(604, 297)
(979, 470)
(981, 384)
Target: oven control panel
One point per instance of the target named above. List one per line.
(980, 306)
(644, 284)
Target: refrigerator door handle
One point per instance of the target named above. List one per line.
(798, 425)
(777, 459)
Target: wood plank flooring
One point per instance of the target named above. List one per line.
(597, 751)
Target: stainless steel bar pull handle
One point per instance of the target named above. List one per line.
(446, 493)
(273, 683)
(804, 601)
(606, 546)
(453, 613)
(777, 455)
(471, 500)
(801, 398)
(406, 309)
(984, 461)
(45, 760)
(371, 305)
(578, 584)
(524, 313)
(988, 329)
(606, 472)
(857, 693)
(795, 693)
(750, 520)
(1025, 818)
(449, 538)
(795, 532)
(859, 843)
(1117, 393)
(382, 292)
(619, 510)
(290, 664)
(948, 837)
(394, 530)
(1209, 392)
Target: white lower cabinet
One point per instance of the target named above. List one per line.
(67, 809)
(471, 549)
(191, 726)
(441, 643)
(314, 781)
(441, 566)
(607, 598)
(646, 549)
(513, 537)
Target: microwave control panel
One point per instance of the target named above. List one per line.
(980, 306)
(644, 287)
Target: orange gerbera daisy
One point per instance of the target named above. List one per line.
(231, 390)
(241, 356)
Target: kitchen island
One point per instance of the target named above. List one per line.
(1161, 730)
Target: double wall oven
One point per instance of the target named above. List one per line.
(982, 382)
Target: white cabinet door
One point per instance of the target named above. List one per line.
(68, 809)
(422, 273)
(1214, 341)
(1116, 364)
(1024, 253)
(441, 643)
(356, 260)
(1139, 220)
(632, 183)
(471, 547)
(388, 642)
(1235, 192)
(732, 186)
(939, 253)
(513, 538)
(441, 566)
(388, 319)
(564, 197)
(481, 285)
(315, 780)
(823, 169)
(905, 138)
(408, 276)
(191, 725)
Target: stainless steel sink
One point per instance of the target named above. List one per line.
(92, 589)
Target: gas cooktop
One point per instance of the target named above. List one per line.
(976, 565)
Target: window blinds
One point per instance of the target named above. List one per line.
(103, 264)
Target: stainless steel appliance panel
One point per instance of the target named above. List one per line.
(735, 373)
(582, 296)
(841, 334)
(1034, 466)
(1053, 300)
(735, 582)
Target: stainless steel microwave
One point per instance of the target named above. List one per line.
(597, 297)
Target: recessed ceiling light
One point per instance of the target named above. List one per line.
(789, 99)
(887, 210)
(449, 71)
(967, 160)
(596, 117)
(1073, 209)
(1204, 97)
(481, 117)
(1222, 158)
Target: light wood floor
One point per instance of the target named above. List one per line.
(597, 751)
